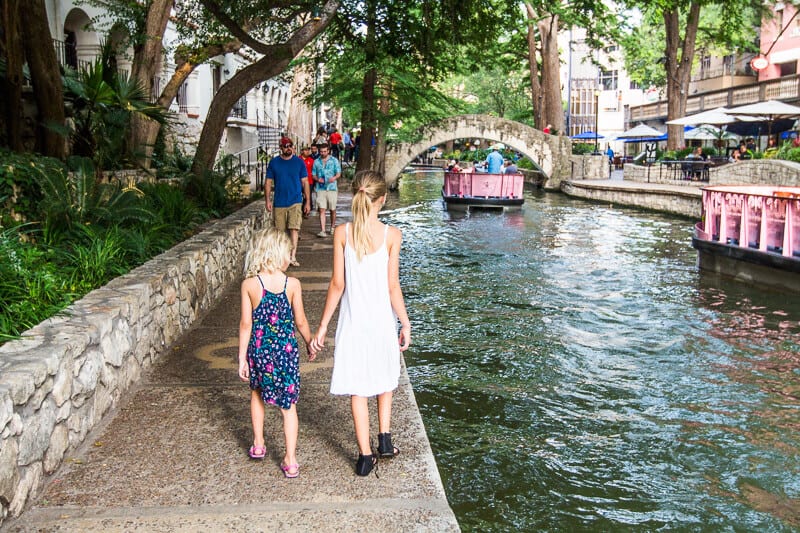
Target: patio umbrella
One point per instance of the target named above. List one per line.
(716, 116)
(769, 111)
(641, 131)
(588, 135)
(707, 132)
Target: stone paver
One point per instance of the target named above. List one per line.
(173, 457)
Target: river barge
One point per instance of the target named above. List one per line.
(751, 232)
(465, 190)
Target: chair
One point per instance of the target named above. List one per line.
(686, 169)
(698, 170)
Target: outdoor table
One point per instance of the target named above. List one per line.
(684, 169)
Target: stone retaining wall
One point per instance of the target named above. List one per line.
(755, 171)
(673, 201)
(65, 374)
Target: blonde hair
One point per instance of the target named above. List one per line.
(270, 249)
(368, 186)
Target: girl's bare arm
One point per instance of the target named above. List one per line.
(245, 329)
(300, 320)
(395, 292)
(335, 288)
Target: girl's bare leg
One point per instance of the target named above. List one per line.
(358, 404)
(385, 412)
(290, 426)
(257, 417)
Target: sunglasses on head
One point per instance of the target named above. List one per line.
(286, 145)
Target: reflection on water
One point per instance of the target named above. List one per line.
(576, 372)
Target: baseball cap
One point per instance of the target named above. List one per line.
(286, 141)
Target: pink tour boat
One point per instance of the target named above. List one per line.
(463, 190)
(751, 232)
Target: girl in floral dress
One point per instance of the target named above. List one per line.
(272, 305)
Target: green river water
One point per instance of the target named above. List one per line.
(576, 372)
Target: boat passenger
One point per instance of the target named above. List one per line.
(494, 161)
(511, 167)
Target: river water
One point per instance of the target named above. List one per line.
(576, 372)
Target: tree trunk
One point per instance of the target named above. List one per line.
(536, 87)
(229, 93)
(367, 120)
(552, 110)
(275, 60)
(146, 62)
(45, 78)
(368, 93)
(13, 53)
(679, 70)
(380, 138)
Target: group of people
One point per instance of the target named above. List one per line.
(493, 164)
(344, 147)
(365, 279)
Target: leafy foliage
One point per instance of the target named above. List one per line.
(103, 102)
(20, 194)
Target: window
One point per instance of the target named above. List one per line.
(787, 69)
(608, 80)
(609, 49)
(634, 85)
(705, 63)
(216, 82)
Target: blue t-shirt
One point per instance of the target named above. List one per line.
(327, 170)
(287, 176)
(495, 163)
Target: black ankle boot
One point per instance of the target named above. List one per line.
(364, 464)
(385, 448)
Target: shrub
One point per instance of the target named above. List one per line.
(20, 192)
(31, 286)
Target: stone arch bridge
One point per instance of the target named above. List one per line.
(550, 152)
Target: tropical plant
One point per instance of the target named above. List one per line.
(97, 256)
(31, 288)
(19, 184)
(104, 102)
(77, 198)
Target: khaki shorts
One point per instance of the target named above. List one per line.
(289, 217)
(327, 200)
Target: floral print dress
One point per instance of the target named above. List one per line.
(272, 351)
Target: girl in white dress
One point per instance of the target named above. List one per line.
(366, 277)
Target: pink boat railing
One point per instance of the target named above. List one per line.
(482, 185)
(757, 217)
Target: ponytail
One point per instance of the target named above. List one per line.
(368, 186)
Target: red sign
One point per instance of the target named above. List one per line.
(759, 63)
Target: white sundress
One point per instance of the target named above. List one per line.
(366, 359)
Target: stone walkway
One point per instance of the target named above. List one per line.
(173, 457)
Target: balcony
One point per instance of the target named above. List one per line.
(786, 88)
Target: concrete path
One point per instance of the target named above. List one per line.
(174, 456)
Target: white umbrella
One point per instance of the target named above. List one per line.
(707, 132)
(640, 132)
(769, 110)
(718, 116)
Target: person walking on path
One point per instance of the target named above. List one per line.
(288, 173)
(366, 359)
(326, 172)
(271, 307)
(335, 142)
(305, 155)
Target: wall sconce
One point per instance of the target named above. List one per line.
(315, 13)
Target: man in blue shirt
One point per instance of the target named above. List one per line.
(326, 171)
(288, 174)
(494, 162)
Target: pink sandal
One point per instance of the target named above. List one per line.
(257, 452)
(291, 471)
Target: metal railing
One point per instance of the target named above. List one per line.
(785, 88)
(244, 162)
